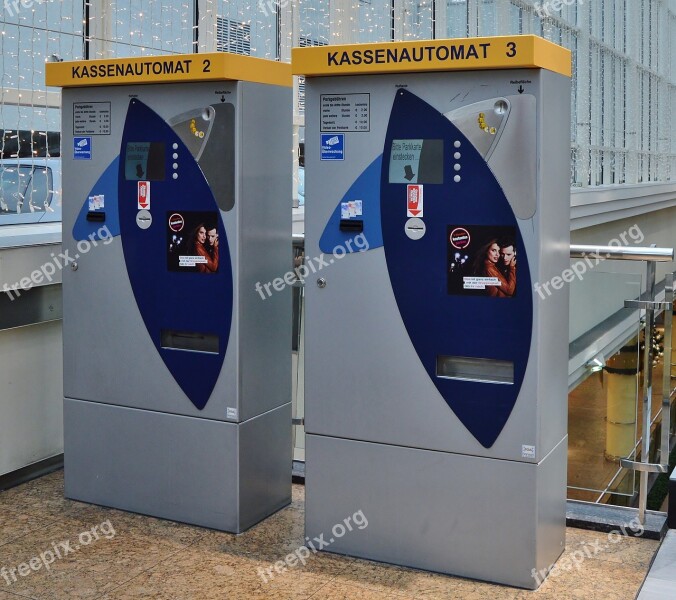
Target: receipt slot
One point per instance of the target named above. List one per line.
(177, 375)
(437, 178)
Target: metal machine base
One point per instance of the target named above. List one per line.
(488, 519)
(225, 476)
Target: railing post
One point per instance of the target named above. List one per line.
(647, 391)
(650, 304)
(666, 375)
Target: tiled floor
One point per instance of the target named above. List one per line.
(153, 559)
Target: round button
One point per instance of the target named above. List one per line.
(457, 179)
(457, 143)
(144, 219)
(175, 175)
(415, 228)
(175, 146)
(457, 156)
(175, 156)
(175, 166)
(457, 167)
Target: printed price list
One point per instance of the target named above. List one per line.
(91, 118)
(346, 112)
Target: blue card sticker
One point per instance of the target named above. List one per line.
(82, 148)
(333, 146)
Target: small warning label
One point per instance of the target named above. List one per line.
(144, 195)
(333, 146)
(414, 201)
(82, 148)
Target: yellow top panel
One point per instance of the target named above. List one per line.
(462, 54)
(175, 68)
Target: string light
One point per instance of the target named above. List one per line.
(622, 85)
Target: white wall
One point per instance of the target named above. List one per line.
(603, 290)
(31, 395)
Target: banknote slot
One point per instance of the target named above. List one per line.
(484, 370)
(97, 216)
(190, 341)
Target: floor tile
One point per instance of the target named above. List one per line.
(586, 545)
(389, 579)
(341, 591)
(150, 558)
(591, 580)
(90, 567)
(198, 573)
(15, 524)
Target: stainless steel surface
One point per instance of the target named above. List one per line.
(375, 417)
(133, 438)
(439, 511)
(643, 467)
(647, 391)
(647, 304)
(666, 370)
(622, 253)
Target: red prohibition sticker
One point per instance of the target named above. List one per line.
(460, 238)
(176, 222)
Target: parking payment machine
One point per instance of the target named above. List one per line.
(177, 376)
(437, 181)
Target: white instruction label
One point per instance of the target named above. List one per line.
(91, 118)
(232, 413)
(346, 112)
(527, 451)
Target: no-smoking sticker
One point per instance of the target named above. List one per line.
(460, 238)
(176, 222)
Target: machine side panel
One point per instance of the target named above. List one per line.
(552, 310)
(265, 463)
(467, 516)
(172, 467)
(552, 479)
(265, 246)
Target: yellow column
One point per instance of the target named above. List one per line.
(620, 380)
(673, 348)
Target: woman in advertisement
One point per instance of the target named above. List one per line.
(207, 250)
(497, 260)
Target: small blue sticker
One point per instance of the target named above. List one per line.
(333, 146)
(82, 148)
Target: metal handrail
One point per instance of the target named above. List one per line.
(623, 253)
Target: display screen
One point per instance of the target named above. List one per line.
(145, 161)
(192, 242)
(417, 161)
(482, 261)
